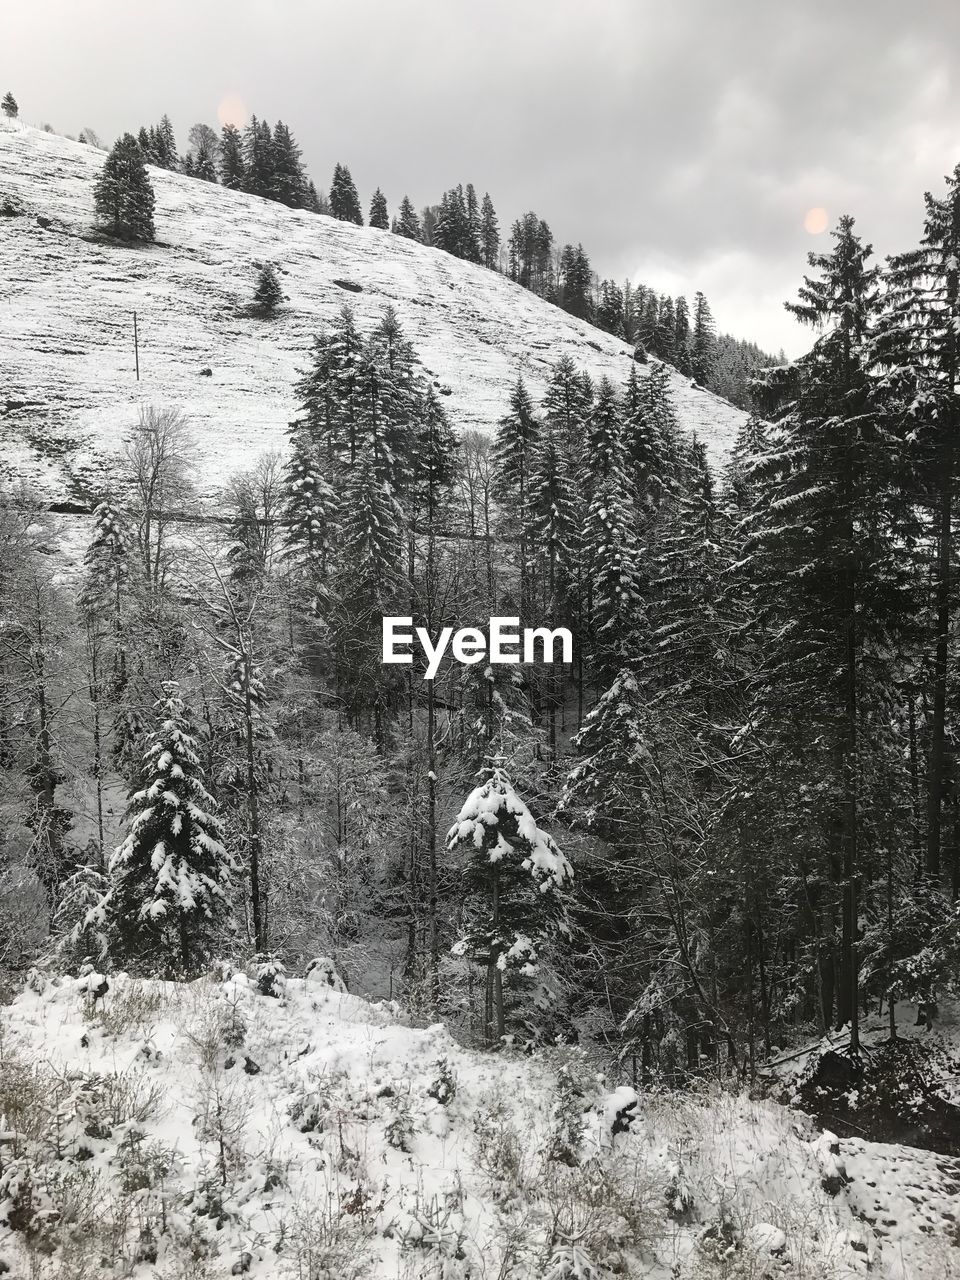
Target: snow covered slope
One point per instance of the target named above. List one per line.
(67, 385)
(206, 1129)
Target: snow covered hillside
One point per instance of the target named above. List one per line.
(210, 1129)
(67, 382)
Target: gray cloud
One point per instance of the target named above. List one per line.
(682, 143)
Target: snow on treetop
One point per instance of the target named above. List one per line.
(493, 817)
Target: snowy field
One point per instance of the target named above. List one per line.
(67, 383)
(210, 1130)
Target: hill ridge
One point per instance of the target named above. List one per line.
(66, 328)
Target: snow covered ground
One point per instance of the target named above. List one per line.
(67, 383)
(210, 1130)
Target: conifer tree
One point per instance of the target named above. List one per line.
(643, 446)
(408, 224)
(170, 878)
(289, 185)
(489, 234)
(703, 344)
(681, 336)
(472, 246)
(233, 172)
(922, 334)
(164, 146)
(513, 452)
(344, 201)
(310, 514)
(123, 195)
(268, 294)
(514, 883)
(378, 211)
(9, 106)
(610, 308)
(830, 578)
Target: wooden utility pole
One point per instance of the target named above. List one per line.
(136, 346)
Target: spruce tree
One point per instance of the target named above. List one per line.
(681, 336)
(310, 512)
(408, 224)
(513, 451)
(344, 201)
(489, 234)
(268, 294)
(123, 195)
(827, 541)
(703, 345)
(233, 172)
(922, 334)
(513, 885)
(289, 182)
(170, 878)
(9, 106)
(167, 156)
(379, 216)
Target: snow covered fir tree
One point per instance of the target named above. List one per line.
(479, 787)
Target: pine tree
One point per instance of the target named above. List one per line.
(610, 308)
(268, 294)
(310, 512)
(703, 346)
(289, 180)
(123, 195)
(681, 336)
(513, 450)
(643, 447)
(489, 234)
(922, 334)
(378, 211)
(9, 106)
(408, 224)
(344, 201)
(603, 452)
(233, 173)
(256, 159)
(472, 247)
(577, 278)
(165, 146)
(566, 406)
(170, 878)
(830, 580)
(513, 883)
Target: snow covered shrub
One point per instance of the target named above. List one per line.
(604, 1207)
(130, 1007)
(269, 973)
(221, 1109)
(323, 972)
(500, 1149)
(326, 1238)
(400, 1129)
(570, 1262)
(567, 1121)
(679, 1195)
(444, 1086)
(436, 1228)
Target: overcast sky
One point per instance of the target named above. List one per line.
(684, 142)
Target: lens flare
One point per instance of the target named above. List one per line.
(815, 221)
(231, 110)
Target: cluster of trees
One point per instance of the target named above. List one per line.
(267, 162)
(750, 765)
